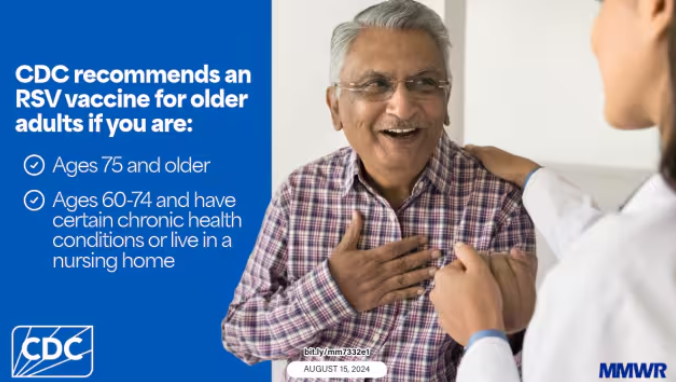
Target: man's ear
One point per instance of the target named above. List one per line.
(332, 103)
(660, 14)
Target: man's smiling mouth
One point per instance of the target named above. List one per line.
(401, 133)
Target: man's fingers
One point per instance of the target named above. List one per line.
(407, 279)
(503, 273)
(401, 294)
(412, 261)
(469, 257)
(351, 237)
(529, 259)
(518, 253)
(391, 251)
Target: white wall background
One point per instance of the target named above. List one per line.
(533, 87)
(525, 80)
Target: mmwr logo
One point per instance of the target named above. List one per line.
(633, 370)
(52, 351)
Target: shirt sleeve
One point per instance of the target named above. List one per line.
(486, 333)
(560, 210)
(270, 317)
(515, 229)
(525, 182)
(488, 360)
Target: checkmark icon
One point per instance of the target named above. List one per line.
(34, 165)
(34, 200)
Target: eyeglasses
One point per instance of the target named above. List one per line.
(381, 89)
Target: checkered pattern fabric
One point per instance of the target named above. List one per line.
(287, 299)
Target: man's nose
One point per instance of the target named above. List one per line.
(401, 103)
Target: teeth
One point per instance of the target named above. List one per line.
(400, 131)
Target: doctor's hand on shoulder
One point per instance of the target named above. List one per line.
(476, 293)
(502, 164)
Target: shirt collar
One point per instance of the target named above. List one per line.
(654, 193)
(352, 168)
(438, 171)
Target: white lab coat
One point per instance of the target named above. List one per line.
(610, 299)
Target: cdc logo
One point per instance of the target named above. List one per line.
(52, 351)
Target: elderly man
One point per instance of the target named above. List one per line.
(351, 241)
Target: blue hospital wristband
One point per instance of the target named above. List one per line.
(486, 333)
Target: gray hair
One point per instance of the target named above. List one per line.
(395, 14)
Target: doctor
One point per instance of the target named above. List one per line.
(612, 298)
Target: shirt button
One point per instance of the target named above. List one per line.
(376, 337)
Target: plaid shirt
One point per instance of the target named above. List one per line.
(287, 299)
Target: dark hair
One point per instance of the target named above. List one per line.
(668, 165)
(668, 162)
